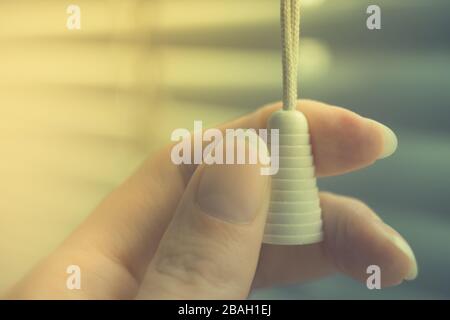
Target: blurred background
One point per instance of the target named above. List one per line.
(79, 110)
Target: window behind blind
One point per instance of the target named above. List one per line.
(78, 108)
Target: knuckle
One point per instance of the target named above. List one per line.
(191, 265)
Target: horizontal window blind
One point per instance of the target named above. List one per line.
(78, 108)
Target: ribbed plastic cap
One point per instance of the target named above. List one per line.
(295, 216)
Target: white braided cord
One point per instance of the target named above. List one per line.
(290, 35)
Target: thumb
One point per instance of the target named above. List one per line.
(211, 248)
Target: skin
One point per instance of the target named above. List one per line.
(147, 239)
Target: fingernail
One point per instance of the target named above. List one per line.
(402, 245)
(390, 141)
(234, 193)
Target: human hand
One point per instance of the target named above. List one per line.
(187, 232)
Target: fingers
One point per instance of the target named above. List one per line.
(342, 140)
(355, 238)
(138, 212)
(125, 229)
(211, 248)
(358, 239)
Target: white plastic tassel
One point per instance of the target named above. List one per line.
(295, 216)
